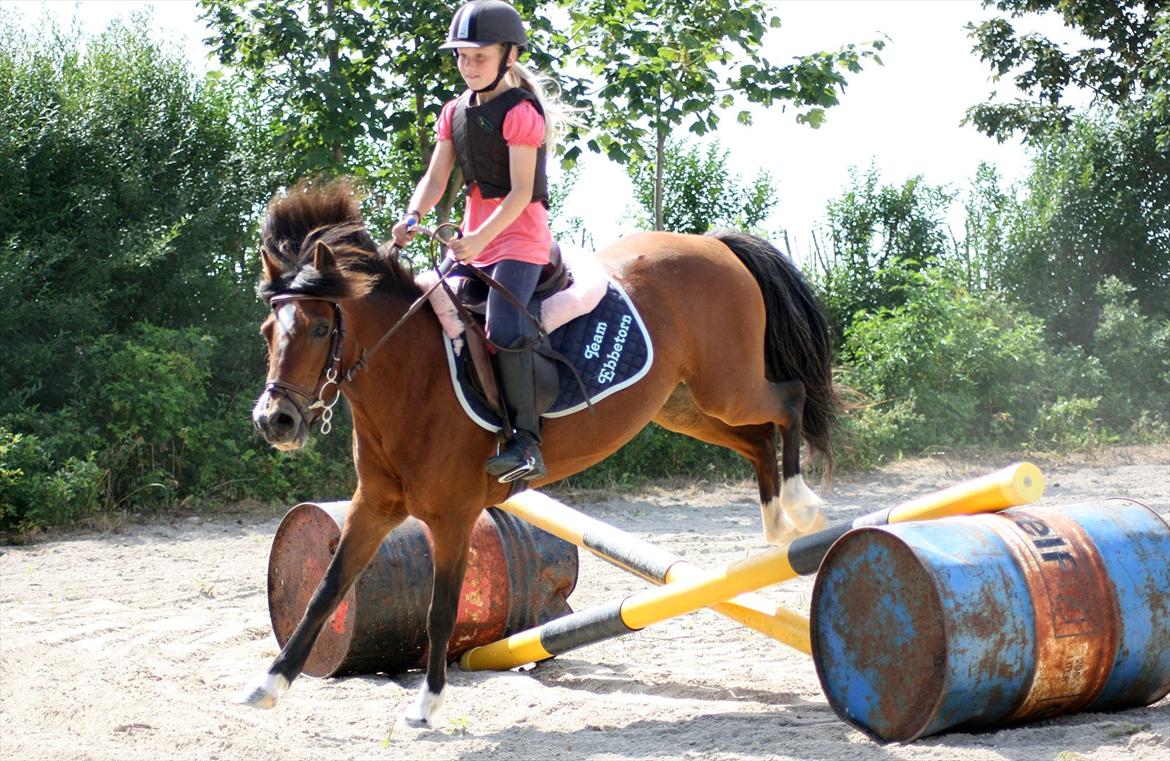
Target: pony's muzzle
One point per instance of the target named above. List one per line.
(279, 422)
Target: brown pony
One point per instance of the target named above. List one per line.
(740, 349)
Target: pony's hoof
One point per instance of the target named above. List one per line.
(265, 694)
(780, 539)
(778, 528)
(426, 708)
(801, 505)
(414, 722)
(815, 524)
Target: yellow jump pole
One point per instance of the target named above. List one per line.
(1015, 485)
(653, 564)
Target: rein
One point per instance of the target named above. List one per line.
(332, 371)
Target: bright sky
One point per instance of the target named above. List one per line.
(904, 116)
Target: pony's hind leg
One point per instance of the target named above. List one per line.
(363, 532)
(452, 539)
(757, 443)
(799, 502)
(736, 401)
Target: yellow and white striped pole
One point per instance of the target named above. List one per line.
(1015, 485)
(653, 564)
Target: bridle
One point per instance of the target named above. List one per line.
(332, 372)
(317, 405)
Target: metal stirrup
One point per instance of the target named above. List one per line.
(519, 471)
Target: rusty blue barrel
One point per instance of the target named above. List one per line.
(518, 577)
(986, 620)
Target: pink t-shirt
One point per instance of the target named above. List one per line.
(528, 238)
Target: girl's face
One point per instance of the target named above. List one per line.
(479, 66)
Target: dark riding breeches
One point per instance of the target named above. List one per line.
(507, 326)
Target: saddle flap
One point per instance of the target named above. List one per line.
(482, 376)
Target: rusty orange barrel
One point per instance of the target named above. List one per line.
(994, 619)
(517, 577)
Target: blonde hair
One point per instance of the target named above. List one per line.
(548, 93)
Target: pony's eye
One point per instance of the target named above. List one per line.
(321, 330)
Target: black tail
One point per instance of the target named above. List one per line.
(797, 345)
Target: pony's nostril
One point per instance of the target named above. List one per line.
(282, 422)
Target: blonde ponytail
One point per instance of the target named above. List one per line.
(547, 92)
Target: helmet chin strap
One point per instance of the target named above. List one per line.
(504, 66)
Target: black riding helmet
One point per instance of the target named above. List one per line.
(487, 22)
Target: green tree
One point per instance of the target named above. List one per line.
(319, 58)
(1126, 63)
(877, 237)
(1134, 352)
(699, 192)
(984, 250)
(129, 195)
(1097, 204)
(664, 64)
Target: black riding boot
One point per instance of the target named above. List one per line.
(520, 458)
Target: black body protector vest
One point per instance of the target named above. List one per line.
(478, 135)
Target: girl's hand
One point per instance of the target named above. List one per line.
(468, 247)
(405, 231)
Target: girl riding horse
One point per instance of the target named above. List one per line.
(497, 132)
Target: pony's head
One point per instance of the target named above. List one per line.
(315, 253)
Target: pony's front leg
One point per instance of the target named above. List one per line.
(365, 528)
(452, 539)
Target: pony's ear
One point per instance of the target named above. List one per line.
(272, 268)
(323, 260)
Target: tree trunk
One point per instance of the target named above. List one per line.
(454, 187)
(659, 151)
(338, 156)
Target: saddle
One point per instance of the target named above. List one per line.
(469, 295)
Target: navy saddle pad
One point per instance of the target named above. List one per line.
(609, 347)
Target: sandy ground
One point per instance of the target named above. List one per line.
(129, 644)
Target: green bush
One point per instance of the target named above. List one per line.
(1134, 354)
(1069, 424)
(952, 368)
(35, 490)
(149, 389)
(235, 463)
(870, 433)
(964, 368)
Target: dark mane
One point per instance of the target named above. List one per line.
(326, 211)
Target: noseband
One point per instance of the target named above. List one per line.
(317, 406)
